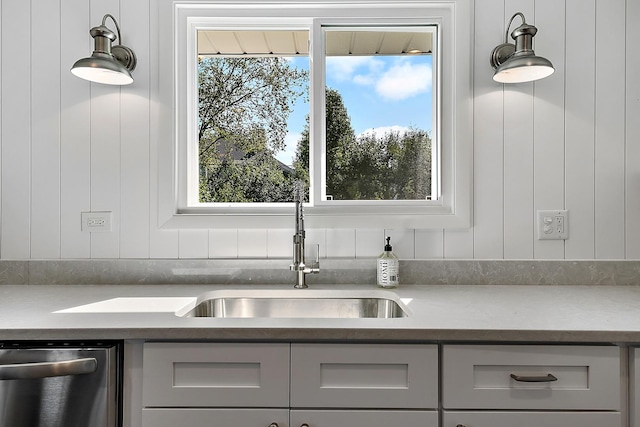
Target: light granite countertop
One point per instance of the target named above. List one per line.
(496, 313)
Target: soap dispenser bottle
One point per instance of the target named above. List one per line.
(388, 267)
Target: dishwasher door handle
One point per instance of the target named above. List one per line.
(28, 371)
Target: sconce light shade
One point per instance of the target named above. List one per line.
(108, 65)
(518, 63)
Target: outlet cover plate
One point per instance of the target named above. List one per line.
(553, 225)
(96, 222)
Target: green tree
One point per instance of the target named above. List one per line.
(392, 166)
(256, 177)
(339, 138)
(364, 171)
(244, 105)
(413, 173)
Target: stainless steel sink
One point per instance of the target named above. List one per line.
(298, 304)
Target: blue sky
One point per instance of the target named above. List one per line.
(381, 93)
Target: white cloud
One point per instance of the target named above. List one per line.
(401, 80)
(404, 80)
(382, 130)
(343, 68)
(365, 80)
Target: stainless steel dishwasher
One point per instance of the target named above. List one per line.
(59, 385)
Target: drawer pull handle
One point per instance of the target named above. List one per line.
(304, 425)
(535, 379)
(273, 425)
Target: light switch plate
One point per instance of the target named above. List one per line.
(553, 225)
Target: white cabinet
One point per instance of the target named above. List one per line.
(363, 418)
(364, 376)
(213, 417)
(531, 419)
(381, 385)
(281, 384)
(216, 375)
(215, 385)
(531, 377)
(634, 387)
(399, 380)
(549, 385)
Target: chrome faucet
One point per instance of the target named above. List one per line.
(299, 265)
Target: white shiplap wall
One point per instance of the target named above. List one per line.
(570, 141)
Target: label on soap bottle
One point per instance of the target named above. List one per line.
(387, 275)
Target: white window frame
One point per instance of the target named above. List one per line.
(379, 207)
(177, 25)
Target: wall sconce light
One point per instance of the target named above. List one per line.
(108, 65)
(517, 63)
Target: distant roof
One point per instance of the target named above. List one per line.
(223, 147)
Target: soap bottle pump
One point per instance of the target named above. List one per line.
(388, 267)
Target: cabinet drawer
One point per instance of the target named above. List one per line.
(364, 376)
(360, 418)
(172, 417)
(216, 374)
(531, 419)
(634, 387)
(504, 377)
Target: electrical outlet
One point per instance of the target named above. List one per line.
(96, 222)
(553, 225)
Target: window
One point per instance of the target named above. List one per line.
(252, 87)
(367, 103)
(380, 138)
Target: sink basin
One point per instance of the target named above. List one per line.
(298, 304)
